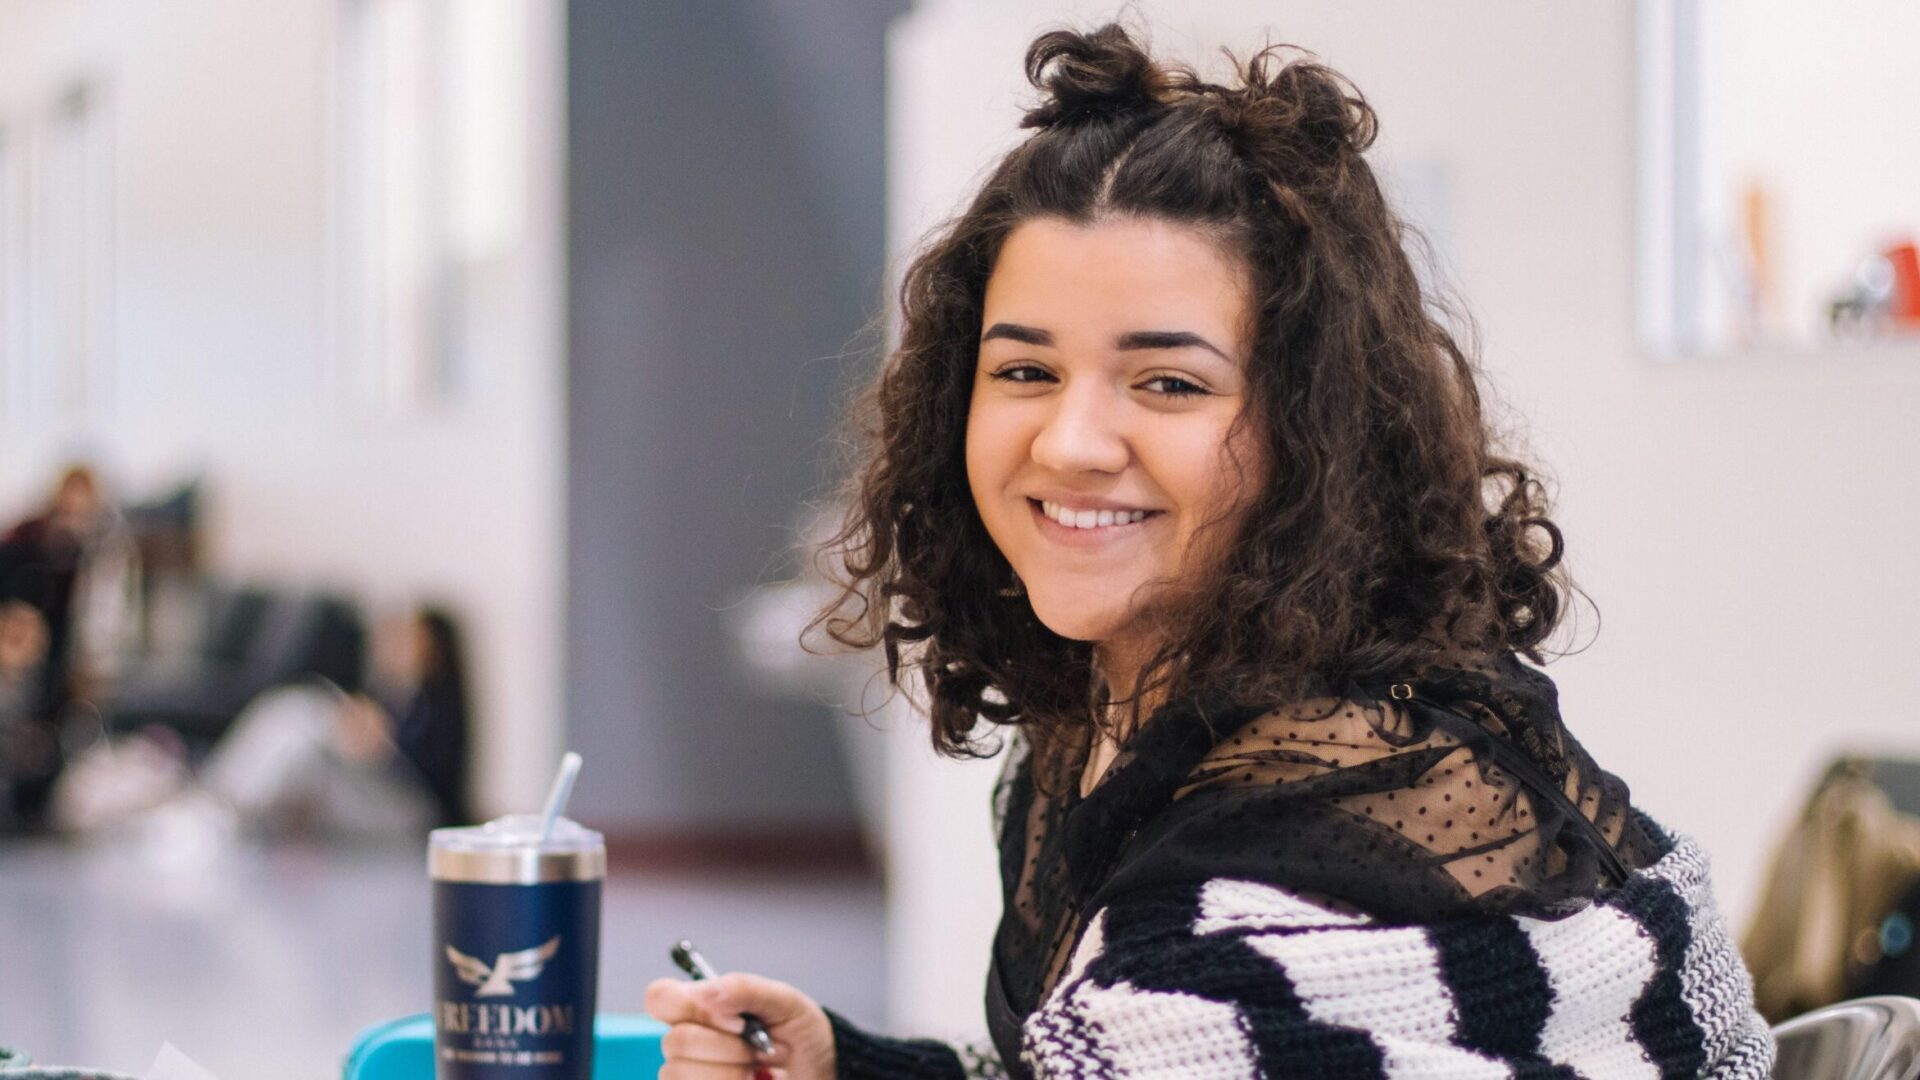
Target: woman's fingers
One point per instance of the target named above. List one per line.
(672, 1001)
(698, 1032)
(775, 1003)
(704, 1026)
(719, 1002)
(698, 1042)
(666, 1000)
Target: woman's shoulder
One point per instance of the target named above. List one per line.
(1679, 882)
(1247, 970)
(1372, 720)
(1412, 798)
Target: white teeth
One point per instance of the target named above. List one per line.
(1090, 519)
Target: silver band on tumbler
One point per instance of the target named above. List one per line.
(515, 866)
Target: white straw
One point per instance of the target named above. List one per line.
(558, 794)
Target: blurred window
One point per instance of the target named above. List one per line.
(1780, 184)
(13, 274)
(73, 320)
(57, 237)
(432, 186)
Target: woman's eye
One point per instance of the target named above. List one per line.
(1021, 373)
(1174, 386)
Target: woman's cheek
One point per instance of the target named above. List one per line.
(993, 453)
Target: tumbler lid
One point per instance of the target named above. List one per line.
(510, 851)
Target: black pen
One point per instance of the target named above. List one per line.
(696, 966)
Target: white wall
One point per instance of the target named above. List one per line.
(1744, 527)
(222, 368)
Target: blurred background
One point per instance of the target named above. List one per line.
(395, 393)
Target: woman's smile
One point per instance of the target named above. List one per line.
(1088, 528)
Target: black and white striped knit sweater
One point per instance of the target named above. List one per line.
(1237, 979)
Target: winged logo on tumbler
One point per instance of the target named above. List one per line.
(507, 969)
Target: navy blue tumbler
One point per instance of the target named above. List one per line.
(516, 949)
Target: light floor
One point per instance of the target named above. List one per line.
(264, 963)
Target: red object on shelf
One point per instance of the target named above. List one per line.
(1905, 260)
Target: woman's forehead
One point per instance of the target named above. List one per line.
(1117, 275)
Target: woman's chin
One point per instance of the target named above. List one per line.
(1077, 624)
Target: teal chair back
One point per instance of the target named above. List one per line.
(625, 1047)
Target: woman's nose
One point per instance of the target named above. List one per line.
(1082, 433)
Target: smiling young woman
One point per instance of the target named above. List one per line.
(1176, 482)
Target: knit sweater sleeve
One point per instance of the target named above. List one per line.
(862, 1055)
(1232, 978)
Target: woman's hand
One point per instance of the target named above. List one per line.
(703, 1042)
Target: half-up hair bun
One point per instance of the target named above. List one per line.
(1091, 75)
(1296, 102)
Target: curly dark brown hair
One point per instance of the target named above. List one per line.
(1390, 534)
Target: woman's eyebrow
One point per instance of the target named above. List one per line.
(1138, 339)
(1026, 335)
(1168, 339)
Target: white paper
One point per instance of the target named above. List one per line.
(174, 1065)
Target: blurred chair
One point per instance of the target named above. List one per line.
(251, 639)
(1873, 1038)
(166, 530)
(1839, 907)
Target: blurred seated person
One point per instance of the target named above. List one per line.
(391, 759)
(415, 711)
(73, 562)
(309, 758)
(71, 565)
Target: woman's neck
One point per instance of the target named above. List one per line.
(1119, 665)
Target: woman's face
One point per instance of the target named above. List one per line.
(402, 650)
(1111, 370)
